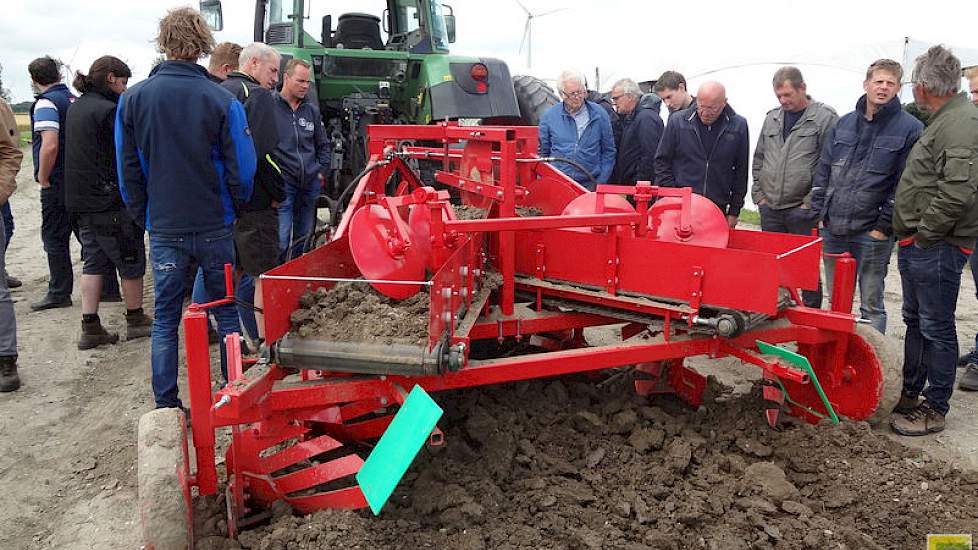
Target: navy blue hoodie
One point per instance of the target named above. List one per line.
(184, 151)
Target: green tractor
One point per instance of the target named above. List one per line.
(389, 68)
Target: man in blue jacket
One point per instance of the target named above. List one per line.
(304, 152)
(185, 161)
(580, 131)
(861, 162)
(706, 147)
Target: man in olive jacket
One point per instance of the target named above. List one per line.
(786, 158)
(935, 221)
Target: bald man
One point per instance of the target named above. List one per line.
(705, 147)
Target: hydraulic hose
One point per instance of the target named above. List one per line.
(573, 163)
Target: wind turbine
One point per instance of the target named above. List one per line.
(528, 31)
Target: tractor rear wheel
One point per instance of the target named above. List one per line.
(534, 97)
(163, 471)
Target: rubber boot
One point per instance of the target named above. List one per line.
(138, 325)
(9, 381)
(94, 334)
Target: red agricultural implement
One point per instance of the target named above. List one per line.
(662, 268)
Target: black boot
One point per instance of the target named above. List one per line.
(13, 282)
(94, 334)
(9, 381)
(138, 324)
(51, 302)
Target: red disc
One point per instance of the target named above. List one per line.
(371, 231)
(707, 224)
(419, 224)
(587, 204)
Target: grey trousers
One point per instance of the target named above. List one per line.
(8, 324)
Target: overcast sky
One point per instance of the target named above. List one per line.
(831, 41)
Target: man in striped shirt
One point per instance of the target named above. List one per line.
(47, 121)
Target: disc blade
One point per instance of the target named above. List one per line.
(587, 204)
(707, 223)
(419, 223)
(371, 229)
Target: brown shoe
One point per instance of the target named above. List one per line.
(138, 325)
(94, 335)
(920, 421)
(906, 404)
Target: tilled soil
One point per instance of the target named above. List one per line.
(355, 312)
(571, 464)
(467, 212)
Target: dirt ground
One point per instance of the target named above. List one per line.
(588, 467)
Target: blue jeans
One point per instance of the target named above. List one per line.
(8, 222)
(973, 354)
(171, 257)
(8, 323)
(872, 261)
(245, 290)
(296, 218)
(931, 280)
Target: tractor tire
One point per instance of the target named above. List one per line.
(162, 469)
(534, 97)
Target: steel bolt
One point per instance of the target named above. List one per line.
(383, 400)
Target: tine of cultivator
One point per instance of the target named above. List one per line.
(803, 364)
(773, 393)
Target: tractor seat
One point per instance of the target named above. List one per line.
(356, 31)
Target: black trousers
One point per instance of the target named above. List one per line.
(797, 221)
(57, 225)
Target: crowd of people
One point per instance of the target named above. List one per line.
(219, 168)
(214, 164)
(870, 181)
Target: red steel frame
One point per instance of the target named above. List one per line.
(620, 270)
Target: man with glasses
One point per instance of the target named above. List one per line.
(579, 131)
(641, 129)
(705, 146)
(304, 152)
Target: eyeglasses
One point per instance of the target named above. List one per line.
(615, 98)
(578, 94)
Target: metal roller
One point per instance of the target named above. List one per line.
(359, 357)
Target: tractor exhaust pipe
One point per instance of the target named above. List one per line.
(362, 358)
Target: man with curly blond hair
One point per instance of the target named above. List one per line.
(186, 160)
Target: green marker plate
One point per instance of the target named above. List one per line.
(394, 453)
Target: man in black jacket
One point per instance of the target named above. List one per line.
(256, 231)
(304, 151)
(706, 147)
(110, 239)
(641, 129)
